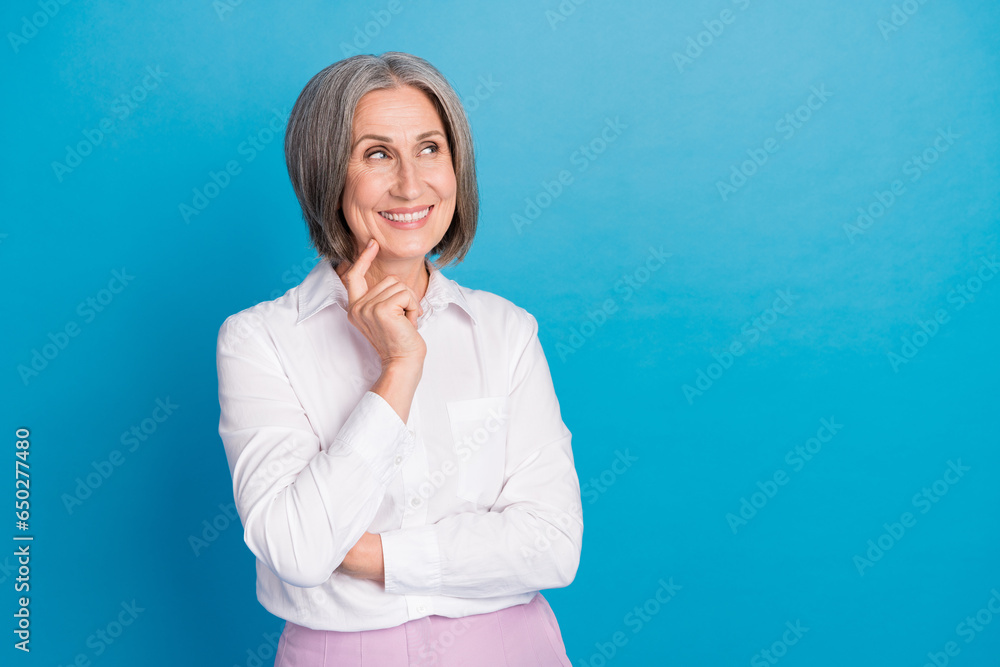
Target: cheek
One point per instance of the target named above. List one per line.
(363, 189)
(445, 183)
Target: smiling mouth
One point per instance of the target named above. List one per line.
(411, 216)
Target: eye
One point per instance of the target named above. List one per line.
(431, 146)
(377, 151)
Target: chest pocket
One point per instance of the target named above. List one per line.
(479, 430)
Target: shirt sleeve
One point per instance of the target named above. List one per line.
(531, 538)
(303, 503)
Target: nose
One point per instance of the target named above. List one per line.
(409, 184)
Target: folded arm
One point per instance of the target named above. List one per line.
(303, 503)
(532, 536)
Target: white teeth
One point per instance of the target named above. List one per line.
(407, 217)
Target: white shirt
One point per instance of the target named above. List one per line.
(475, 497)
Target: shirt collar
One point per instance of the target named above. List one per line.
(323, 288)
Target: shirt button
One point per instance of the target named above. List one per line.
(411, 432)
(415, 502)
(421, 609)
(399, 459)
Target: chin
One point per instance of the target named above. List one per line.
(405, 253)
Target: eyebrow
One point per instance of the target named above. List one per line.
(387, 140)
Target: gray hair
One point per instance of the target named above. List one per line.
(318, 147)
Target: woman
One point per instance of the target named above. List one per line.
(399, 461)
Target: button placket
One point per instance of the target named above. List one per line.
(415, 471)
(429, 304)
(418, 606)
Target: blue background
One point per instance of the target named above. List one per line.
(858, 296)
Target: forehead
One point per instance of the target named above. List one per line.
(404, 110)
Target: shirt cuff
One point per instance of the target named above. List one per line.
(412, 561)
(375, 432)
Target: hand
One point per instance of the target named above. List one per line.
(385, 313)
(364, 560)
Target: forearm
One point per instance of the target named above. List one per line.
(530, 540)
(304, 531)
(484, 555)
(397, 384)
(304, 500)
(304, 511)
(364, 560)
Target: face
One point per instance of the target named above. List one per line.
(401, 185)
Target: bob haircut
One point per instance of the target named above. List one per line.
(318, 147)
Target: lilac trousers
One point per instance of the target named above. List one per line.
(525, 635)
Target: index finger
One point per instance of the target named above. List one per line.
(354, 277)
